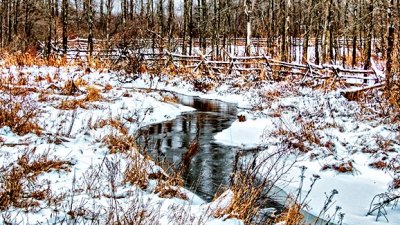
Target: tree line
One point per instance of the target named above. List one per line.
(348, 31)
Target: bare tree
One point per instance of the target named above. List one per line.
(369, 27)
(248, 9)
(109, 9)
(171, 21)
(64, 13)
(89, 8)
(390, 46)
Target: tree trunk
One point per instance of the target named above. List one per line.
(9, 21)
(390, 44)
(185, 25)
(90, 25)
(102, 16)
(367, 60)
(248, 11)
(132, 9)
(49, 27)
(1, 24)
(78, 17)
(171, 22)
(354, 41)
(64, 13)
(161, 17)
(307, 30)
(283, 31)
(204, 25)
(190, 30)
(56, 6)
(141, 9)
(325, 32)
(26, 23)
(331, 35)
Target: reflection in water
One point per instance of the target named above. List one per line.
(211, 166)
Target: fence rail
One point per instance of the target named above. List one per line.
(227, 65)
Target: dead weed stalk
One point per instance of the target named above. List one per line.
(19, 112)
(15, 181)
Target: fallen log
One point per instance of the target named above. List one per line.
(356, 93)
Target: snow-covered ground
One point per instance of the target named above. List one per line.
(333, 137)
(339, 140)
(99, 180)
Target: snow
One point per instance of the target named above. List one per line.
(349, 130)
(343, 132)
(245, 134)
(356, 190)
(95, 174)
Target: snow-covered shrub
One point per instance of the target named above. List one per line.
(18, 181)
(19, 112)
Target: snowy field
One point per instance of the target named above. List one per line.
(349, 147)
(347, 144)
(96, 180)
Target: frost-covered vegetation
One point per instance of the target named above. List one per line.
(316, 84)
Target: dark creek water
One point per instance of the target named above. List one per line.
(210, 166)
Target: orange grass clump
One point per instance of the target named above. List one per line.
(20, 114)
(243, 205)
(169, 187)
(292, 216)
(93, 94)
(119, 144)
(136, 173)
(117, 124)
(72, 104)
(16, 183)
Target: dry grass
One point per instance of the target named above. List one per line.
(30, 58)
(395, 183)
(44, 97)
(343, 167)
(16, 181)
(70, 88)
(72, 104)
(119, 143)
(167, 191)
(298, 140)
(80, 82)
(108, 87)
(142, 68)
(169, 187)
(115, 123)
(93, 94)
(272, 95)
(22, 59)
(100, 64)
(291, 216)
(203, 85)
(379, 165)
(19, 112)
(170, 99)
(136, 173)
(243, 205)
(354, 95)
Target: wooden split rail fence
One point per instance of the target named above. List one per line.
(260, 65)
